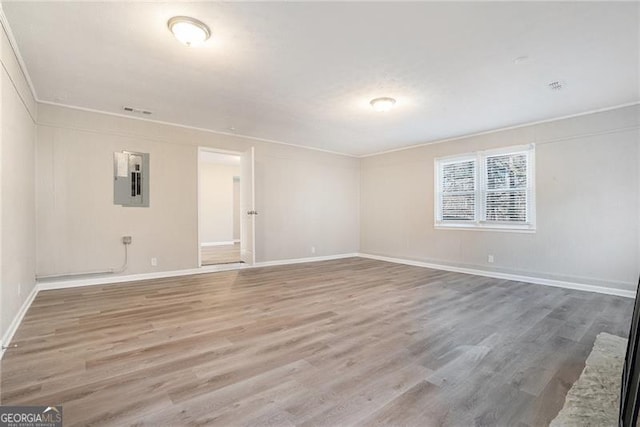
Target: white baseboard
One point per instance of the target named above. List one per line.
(515, 277)
(303, 260)
(105, 280)
(224, 243)
(17, 320)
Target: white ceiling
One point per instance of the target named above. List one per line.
(303, 73)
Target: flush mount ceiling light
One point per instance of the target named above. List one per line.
(188, 30)
(383, 104)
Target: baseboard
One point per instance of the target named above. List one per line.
(105, 280)
(507, 276)
(224, 243)
(17, 320)
(303, 260)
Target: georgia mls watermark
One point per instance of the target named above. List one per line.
(30, 416)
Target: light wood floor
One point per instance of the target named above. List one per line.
(223, 254)
(348, 342)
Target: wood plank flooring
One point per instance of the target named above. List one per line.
(223, 254)
(347, 342)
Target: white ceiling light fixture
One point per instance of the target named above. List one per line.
(383, 104)
(189, 31)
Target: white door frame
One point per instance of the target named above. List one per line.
(248, 205)
(202, 149)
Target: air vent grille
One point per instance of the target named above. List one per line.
(557, 85)
(136, 110)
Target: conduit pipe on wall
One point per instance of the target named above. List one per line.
(126, 242)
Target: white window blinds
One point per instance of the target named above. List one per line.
(506, 188)
(458, 193)
(490, 189)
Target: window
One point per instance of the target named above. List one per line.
(487, 190)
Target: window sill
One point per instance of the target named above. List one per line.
(502, 228)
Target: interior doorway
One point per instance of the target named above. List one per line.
(219, 231)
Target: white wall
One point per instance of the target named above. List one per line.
(305, 198)
(587, 204)
(17, 197)
(79, 227)
(309, 198)
(216, 193)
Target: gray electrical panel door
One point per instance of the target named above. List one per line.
(131, 179)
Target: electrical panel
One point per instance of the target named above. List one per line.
(131, 179)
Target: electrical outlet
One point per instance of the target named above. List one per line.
(154, 262)
(313, 249)
(490, 259)
(126, 240)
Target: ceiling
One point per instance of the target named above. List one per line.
(304, 73)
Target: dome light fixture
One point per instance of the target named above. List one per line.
(189, 31)
(383, 104)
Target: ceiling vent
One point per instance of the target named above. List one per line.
(557, 85)
(136, 110)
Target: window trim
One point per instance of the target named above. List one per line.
(480, 223)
